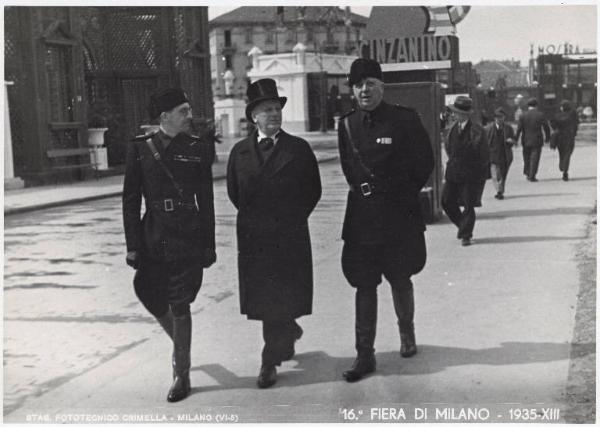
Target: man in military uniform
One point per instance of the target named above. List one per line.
(273, 181)
(175, 240)
(386, 158)
(467, 169)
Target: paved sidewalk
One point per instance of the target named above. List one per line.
(33, 198)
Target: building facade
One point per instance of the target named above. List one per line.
(274, 30)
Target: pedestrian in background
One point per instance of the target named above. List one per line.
(386, 158)
(564, 126)
(273, 181)
(175, 240)
(531, 125)
(466, 170)
(501, 138)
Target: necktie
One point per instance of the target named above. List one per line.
(265, 144)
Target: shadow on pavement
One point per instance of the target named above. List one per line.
(522, 239)
(535, 212)
(318, 367)
(527, 196)
(577, 178)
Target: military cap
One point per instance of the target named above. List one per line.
(362, 68)
(165, 100)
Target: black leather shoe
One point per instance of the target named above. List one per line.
(565, 176)
(361, 367)
(181, 387)
(533, 179)
(408, 346)
(267, 376)
(465, 241)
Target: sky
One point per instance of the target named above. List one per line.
(506, 32)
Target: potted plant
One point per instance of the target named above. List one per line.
(98, 123)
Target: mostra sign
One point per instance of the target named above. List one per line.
(405, 38)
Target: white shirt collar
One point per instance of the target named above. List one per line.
(262, 135)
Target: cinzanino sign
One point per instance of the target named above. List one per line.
(410, 38)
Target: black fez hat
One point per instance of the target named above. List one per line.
(362, 68)
(462, 104)
(262, 90)
(498, 112)
(532, 102)
(165, 100)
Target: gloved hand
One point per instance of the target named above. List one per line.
(133, 259)
(210, 257)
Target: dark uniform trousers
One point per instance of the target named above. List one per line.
(455, 194)
(383, 232)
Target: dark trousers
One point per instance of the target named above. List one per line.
(531, 160)
(564, 157)
(453, 194)
(279, 337)
(499, 174)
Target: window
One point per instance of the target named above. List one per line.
(227, 38)
(249, 35)
(269, 35)
(228, 62)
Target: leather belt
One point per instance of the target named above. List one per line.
(368, 188)
(170, 205)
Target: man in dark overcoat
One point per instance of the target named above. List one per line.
(501, 138)
(175, 240)
(531, 125)
(273, 180)
(386, 158)
(466, 170)
(564, 125)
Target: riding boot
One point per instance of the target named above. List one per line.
(166, 321)
(182, 340)
(404, 305)
(365, 329)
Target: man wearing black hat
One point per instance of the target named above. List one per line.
(386, 158)
(564, 125)
(175, 240)
(531, 125)
(466, 170)
(273, 181)
(501, 138)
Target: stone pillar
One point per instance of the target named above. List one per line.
(10, 181)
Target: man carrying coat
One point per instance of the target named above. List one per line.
(531, 125)
(386, 158)
(501, 138)
(175, 239)
(466, 170)
(273, 181)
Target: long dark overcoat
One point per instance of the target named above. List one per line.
(500, 151)
(565, 124)
(468, 161)
(274, 201)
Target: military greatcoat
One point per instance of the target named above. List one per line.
(395, 148)
(274, 200)
(176, 230)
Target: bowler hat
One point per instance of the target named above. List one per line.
(462, 104)
(362, 68)
(165, 100)
(499, 112)
(532, 102)
(262, 90)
